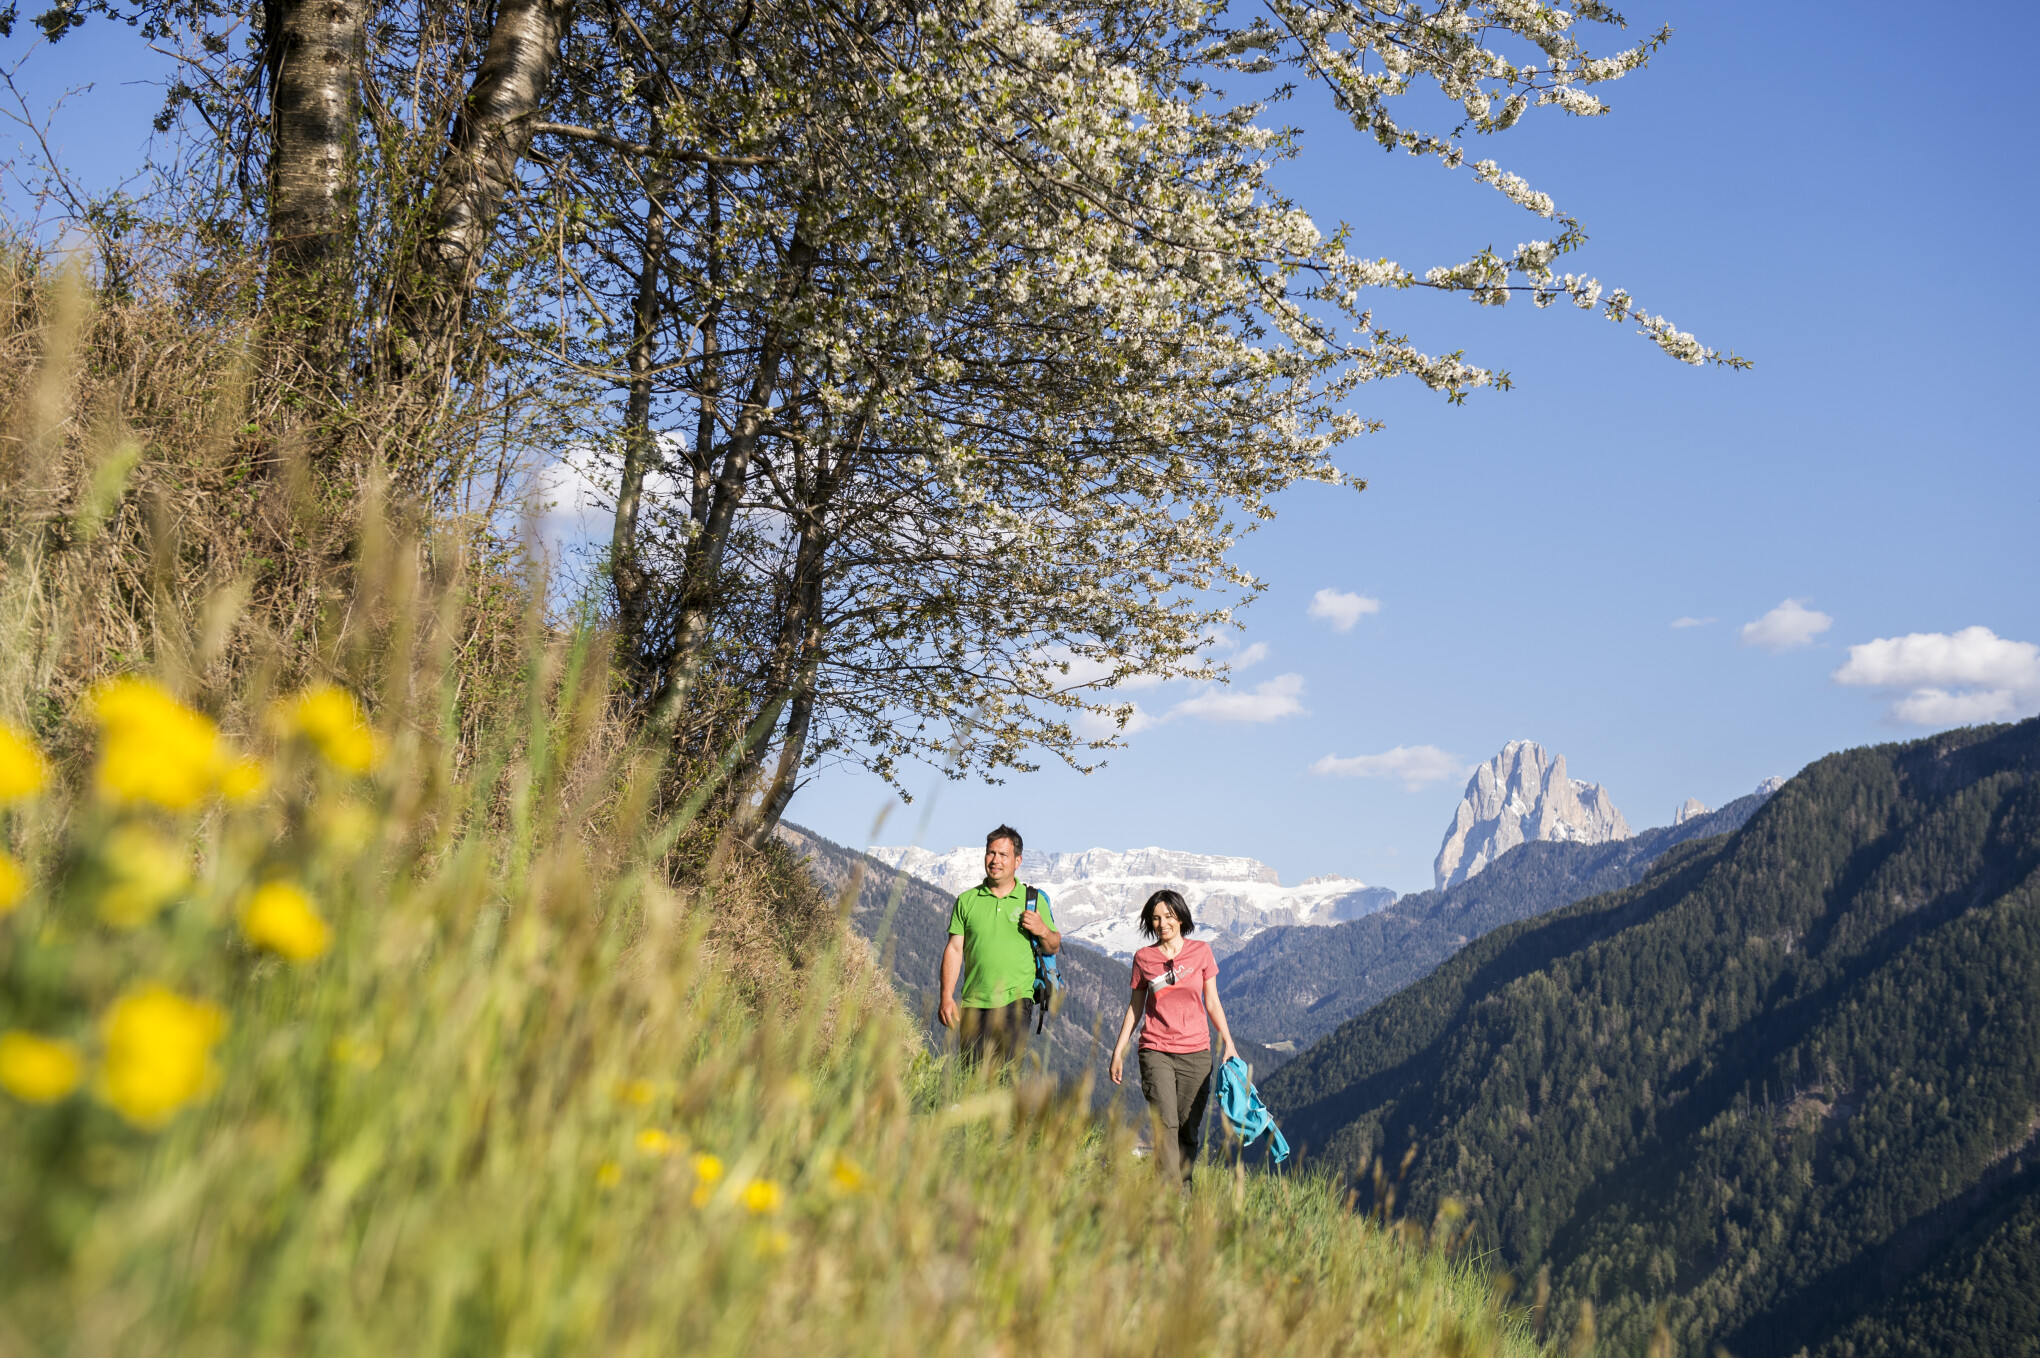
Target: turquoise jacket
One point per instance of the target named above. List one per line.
(1244, 1111)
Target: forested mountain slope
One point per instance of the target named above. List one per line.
(1094, 993)
(1783, 1089)
(1296, 985)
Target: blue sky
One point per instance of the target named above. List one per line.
(1810, 185)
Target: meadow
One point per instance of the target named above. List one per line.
(361, 997)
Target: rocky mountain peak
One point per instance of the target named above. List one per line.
(1523, 794)
(1688, 809)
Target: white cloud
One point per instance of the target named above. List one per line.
(1269, 701)
(1087, 671)
(1949, 679)
(1788, 625)
(1938, 707)
(1253, 655)
(572, 503)
(1696, 622)
(1279, 697)
(1341, 609)
(1417, 766)
(1099, 725)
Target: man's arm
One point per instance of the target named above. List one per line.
(952, 969)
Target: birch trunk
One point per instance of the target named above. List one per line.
(490, 138)
(312, 54)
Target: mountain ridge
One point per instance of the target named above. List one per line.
(1284, 988)
(1097, 894)
(1781, 1092)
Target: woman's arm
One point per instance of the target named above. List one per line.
(1217, 1013)
(1125, 1035)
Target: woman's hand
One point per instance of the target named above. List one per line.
(1118, 1064)
(1232, 1053)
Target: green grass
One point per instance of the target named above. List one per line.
(428, 1140)
(475, 1124)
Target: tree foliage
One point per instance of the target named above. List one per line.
(934, 357)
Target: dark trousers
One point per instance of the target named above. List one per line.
(1177, 1086)
(995, 1033)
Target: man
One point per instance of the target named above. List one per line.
(991, 934)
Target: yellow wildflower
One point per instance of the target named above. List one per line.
(774, 1243)
(761, 1196)
(145, 872)
(329, 717)
(708, 1169)
(244, 780)
(13, 883)
(652, 1141)
(845, 1174)
(281, 918)
(38, 1069)
(158, 1053)
(639, 1092)
(23, 770)
(608, 1174)
(153, 748)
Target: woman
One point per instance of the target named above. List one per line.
(1175, 986)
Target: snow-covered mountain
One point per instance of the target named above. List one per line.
(1098, 894)
(1523, 794)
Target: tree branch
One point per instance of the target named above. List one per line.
(638, 148)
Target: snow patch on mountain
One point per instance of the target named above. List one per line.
(1097, 895)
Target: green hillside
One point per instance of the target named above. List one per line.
(1296, 984)
(1782, 1091)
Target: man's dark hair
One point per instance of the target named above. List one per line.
(1005, 832)
(1174, 900)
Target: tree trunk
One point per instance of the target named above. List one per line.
(710, 385)
(807, 619)
(626, 570)
(705, 553)
(489, 139)
(312, 56)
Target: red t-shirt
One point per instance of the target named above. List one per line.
(1175, 1013)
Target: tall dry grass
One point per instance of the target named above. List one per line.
(529, 1092)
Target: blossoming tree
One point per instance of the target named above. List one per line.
(981, 335)
(945, 349)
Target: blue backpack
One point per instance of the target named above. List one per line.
(1047, 980)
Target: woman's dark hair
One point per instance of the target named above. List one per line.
(1007, 833)
(1174, 900)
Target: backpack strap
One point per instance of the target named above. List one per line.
(1040, 1010)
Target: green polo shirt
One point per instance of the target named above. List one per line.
(998, 958)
